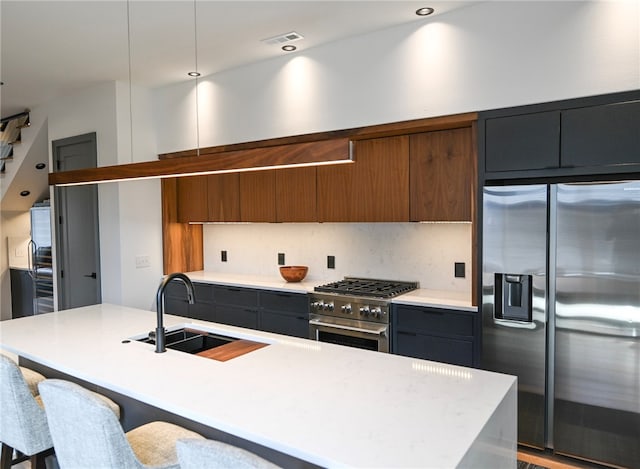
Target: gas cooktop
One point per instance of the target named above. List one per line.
(367, 287)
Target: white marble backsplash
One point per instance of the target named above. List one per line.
(425, 252)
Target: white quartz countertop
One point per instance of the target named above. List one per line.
(421, 297)
(296, 396)
(274, 282)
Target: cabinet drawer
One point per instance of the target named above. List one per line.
(176, 306)
(234, 316)
(203, 292)
(441, 349)
(434, 321)
(285, 302)
(202, 311)
(235, 296)
(297, 326)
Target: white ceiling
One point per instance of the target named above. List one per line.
(49, 48)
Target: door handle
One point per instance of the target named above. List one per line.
(92, 275)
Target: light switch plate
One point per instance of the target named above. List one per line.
(331, 262)
(459, 270)
(142, 262)
(281, 258)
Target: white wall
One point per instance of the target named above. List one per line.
(12, 225)
(488, 55)
(129, 213)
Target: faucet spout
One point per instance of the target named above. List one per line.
(191, 297)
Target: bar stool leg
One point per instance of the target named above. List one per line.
(6, 457)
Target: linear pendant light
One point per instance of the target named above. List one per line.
(322, 152)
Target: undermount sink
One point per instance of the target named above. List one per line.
(190, 340)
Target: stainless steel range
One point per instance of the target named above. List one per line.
(355, 312)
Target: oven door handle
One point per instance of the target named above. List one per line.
(381, 331)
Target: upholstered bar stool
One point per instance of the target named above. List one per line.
(198, 454)
(87, 434)
(23, 424)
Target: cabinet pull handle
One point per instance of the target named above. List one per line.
(408, 333)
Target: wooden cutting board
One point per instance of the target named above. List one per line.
(232, 350)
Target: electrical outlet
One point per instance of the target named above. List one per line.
(142, 262)
(281, 258)
(331, 262)
(223, 256)
(459, 269)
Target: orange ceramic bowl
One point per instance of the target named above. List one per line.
(293, 273)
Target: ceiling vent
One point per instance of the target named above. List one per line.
(283, 38)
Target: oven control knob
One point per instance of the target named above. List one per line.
(364, 310)
(317, 304)
(328, 306)
(346, 309)
(376, 312)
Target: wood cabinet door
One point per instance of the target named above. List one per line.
(373, 189)
(258, 196)
(296, 195)
(223, 197)
(442, 175)
(192, 199)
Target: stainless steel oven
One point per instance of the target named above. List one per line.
(355, 312)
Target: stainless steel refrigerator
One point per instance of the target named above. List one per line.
(561, 311)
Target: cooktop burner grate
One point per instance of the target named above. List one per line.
(367, 287)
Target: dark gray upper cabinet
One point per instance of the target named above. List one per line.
(601, 135)
(593, 136)
(523, 142)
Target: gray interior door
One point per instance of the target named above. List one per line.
(77, 228)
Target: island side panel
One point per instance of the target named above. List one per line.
(496, 445)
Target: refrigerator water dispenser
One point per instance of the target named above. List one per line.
(513, 297)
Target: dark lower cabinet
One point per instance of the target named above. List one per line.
(176, 303)
(285, 313)
(21, 293)
(265, 310)
(448, 336)
(431, 347)
(237, 316)
(296, 325)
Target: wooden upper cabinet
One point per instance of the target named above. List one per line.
(373, 189)
(296, 195)
(442, 169)
(258, 196)
(192, 199)
(223, 197)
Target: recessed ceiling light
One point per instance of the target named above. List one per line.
(289, 48)
(24, 193)
(194, 74)
(426, 11)
(40, 166)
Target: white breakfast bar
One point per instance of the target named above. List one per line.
(324, 404)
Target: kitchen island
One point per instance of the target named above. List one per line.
(324, 404)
